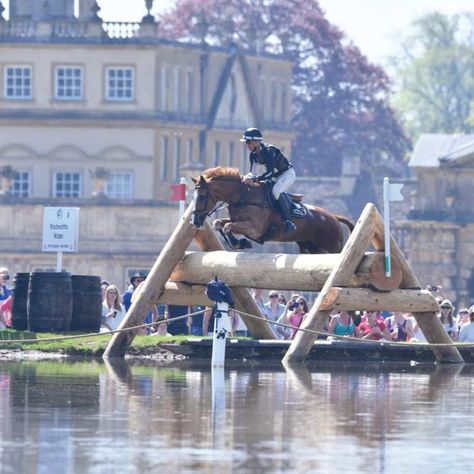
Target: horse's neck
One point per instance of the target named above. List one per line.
(229, 192)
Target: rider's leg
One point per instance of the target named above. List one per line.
(281, 185)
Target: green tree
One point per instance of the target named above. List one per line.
(435, 73)
(341, 106)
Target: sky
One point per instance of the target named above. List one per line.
(373, 25)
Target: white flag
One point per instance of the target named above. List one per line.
(394, 192)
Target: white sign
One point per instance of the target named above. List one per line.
(394, 192)
(60, 229)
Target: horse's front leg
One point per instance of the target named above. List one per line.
(242, 227)
(219, 224)
(234, 242)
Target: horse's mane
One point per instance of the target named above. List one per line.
(221, 172)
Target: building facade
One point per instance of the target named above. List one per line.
(105, 117)
(438, 232)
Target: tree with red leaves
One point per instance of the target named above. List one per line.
(341, 107)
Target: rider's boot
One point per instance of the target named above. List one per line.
(284, 206)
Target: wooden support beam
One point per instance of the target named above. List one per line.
(154, 285)
(183, 294)
(350, 258)
(353, 299)
(280, 271)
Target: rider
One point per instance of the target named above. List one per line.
(278, 169)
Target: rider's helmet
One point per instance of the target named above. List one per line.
(252, 134)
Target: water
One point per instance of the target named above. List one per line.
(91, 417)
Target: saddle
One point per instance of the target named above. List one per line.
(297, 208)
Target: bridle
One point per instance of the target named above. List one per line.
(204, 198)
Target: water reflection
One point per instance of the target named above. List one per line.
(129, 417)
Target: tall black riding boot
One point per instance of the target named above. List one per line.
(284, 206)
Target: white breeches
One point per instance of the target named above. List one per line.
(283, 182)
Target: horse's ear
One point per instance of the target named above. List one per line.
(194, 180)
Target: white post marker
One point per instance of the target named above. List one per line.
(391, 192)
(60, 231)
(221, 328)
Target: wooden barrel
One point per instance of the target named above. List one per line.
(86, 303)
(19, 301)
(49, 302)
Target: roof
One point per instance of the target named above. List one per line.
(432, 149)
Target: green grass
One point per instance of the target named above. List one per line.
(86, 346)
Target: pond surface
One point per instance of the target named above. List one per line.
(92, 417)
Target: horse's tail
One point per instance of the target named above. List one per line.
(345, 221)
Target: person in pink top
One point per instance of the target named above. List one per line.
(298, 311)
(372, 328)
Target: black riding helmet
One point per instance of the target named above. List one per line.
(252, 134)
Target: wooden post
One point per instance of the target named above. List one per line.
(154, 284)
(428, 321)
(350, 258)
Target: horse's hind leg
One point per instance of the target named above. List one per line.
(310, 247)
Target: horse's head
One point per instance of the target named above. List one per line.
(203, 202)
(214, 185)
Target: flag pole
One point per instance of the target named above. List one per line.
(182, 201)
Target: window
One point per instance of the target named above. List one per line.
(231, 154)
(164, 159)
(164, 89)
(190, 150)
(273, 100)
(120, 83)
(18, 82)
(217, 153)
(68, 83)
(177, 90)
(67, 185)
(119, 185)
(21, 184)
(284, 100)
(177, 158)
(188, 93)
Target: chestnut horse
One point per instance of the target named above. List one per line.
(251, 215)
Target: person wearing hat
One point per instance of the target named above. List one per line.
(277, 169)
(467, 331)
(446, 316)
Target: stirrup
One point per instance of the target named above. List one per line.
(288, 227)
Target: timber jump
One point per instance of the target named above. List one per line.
(353, 279)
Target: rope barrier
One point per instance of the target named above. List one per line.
(191, 315)
(358, 339)
(95, 334)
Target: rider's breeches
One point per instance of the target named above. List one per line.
(283, 183)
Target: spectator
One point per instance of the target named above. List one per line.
(418, 335)
(373, 328)
(281, 299)
(6, 313)
(5, 291)
(446, 316)
(342, 324)
(113, 311)
(295, 313)
(274, 311)
(135, 280)
(258, 298)
(196, 321)
(128, 297)
(467, 330)
(463, 318)
(400, 327)
(179, 327)
(103, 286)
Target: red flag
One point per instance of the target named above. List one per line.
(178, 192)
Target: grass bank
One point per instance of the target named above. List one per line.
(91, 346)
